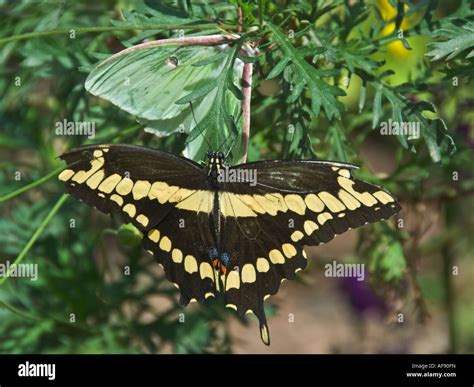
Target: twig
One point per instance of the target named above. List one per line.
(240, 18)
(208, 40)
(247, 93)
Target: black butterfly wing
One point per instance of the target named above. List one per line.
(292, 204)
(165, 196)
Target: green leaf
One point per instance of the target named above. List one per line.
(387, 256)
(156, 84)
(433, 131)
(456, 37)
(322, 93)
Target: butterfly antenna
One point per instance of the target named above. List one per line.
(232, 133)
(231, 146)
(199, 128)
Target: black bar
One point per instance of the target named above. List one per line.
(248, 369)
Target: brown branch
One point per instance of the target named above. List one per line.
(241, 18)
(208, 40)
(247, 92)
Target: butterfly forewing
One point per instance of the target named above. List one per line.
(165, 196)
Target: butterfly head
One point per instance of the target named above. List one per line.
(215, 165)
(215, 157)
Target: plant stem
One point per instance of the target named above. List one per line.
(206, 40)
(247, 92)
(18, 312)
(36, 235)
(240, 17)
(261, 6)
(67, 31)
(31, 185)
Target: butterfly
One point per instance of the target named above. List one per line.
(239, 230)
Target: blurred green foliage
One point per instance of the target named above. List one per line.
(326, 74)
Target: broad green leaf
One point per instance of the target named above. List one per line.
(157, 85)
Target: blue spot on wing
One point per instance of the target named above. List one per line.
(224, 258)
(213, 253)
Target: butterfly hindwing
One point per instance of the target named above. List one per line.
(269, 220)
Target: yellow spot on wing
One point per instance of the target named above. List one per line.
(333, 204)
(250, 201)
(161, 191)
(154, 235)
(262, 265)
(345, 173)
(143, 220)
(190, 264)
(66, 175)
(205, 270)
(117, 199)
(231, 205)
(124, 187)
(81, 176)
(109, 183)
(264, 334)
(310, 227)
(314, 203)
(199, 201)
(276, 256)
(130, 209)
(165, 244)
(95, 180)
(383, 197)
(297, 236)
(180, 195)
(232, 280)
(295, 203)
(248, 273)
(365, 197)
(349, 201)
(324, 217)
(289, 250)
(271, 203)
(177, 255)
(141, 189)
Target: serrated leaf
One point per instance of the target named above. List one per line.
(322, 94)
(278, 69)
(457, 36)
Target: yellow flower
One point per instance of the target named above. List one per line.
(388, 13)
